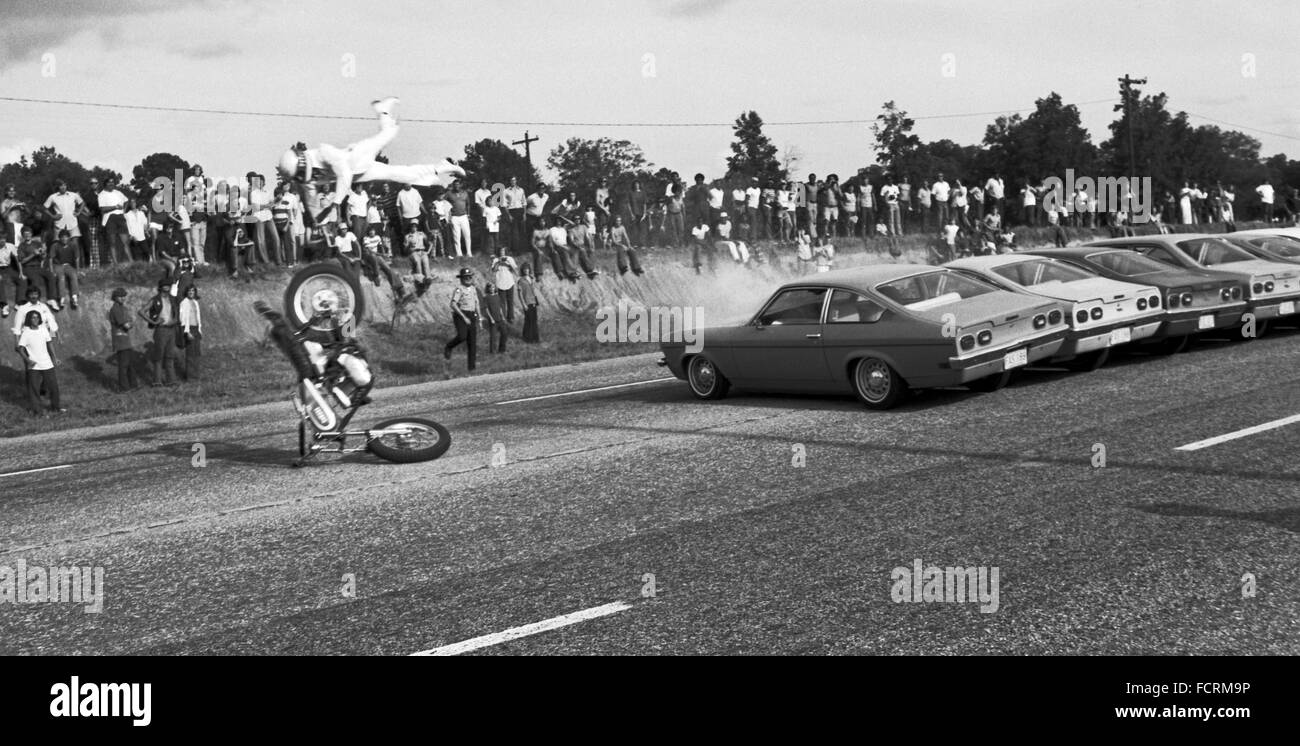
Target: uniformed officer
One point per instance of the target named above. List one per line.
(465, 312)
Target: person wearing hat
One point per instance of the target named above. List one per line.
(466, 307)
(119, 322)
(357, 162)
(160, 314)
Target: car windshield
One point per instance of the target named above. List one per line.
(1281, 245)
(1127, 263)
(1040, 271)
(1210, 252)
(933, 288)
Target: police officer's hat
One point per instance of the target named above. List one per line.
(465, 272)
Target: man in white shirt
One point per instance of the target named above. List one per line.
(410, 206)
(753, 197)
(356, 162)
(940, 192)
(996, 190)
(513, 202)
(64, 206)
(716, 195)
(137, 223)
(263, 230)
(1265, 192)
(889, 196)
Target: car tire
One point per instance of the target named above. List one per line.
(1089, 361)
(877, 384)
(989, 384)
(705, 380)
(1173, 345)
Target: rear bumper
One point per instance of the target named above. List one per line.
(1182, 323)
(1273, 307)
(959, 371)
(1079, 343)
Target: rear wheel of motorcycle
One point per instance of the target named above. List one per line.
(317, 284)
(424, 440)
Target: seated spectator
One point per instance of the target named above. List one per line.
(558, 246)
(31, 265)
(626, 255)
(738, 250)
(582, 245)
(824, 255)
(419, 253)
(12, 283)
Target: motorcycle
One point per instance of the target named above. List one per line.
(325, 298)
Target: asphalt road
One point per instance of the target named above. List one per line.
(749, 552)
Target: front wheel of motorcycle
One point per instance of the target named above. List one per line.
(318, 288)
(407, 440)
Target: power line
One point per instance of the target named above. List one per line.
(1242, 126)
(231, 112)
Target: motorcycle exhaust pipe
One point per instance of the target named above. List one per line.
(321, 413)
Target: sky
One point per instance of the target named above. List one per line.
(308, 70)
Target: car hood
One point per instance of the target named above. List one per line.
(1174, 277)
(1256, 267)
(1093, 288)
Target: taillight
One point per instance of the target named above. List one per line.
(1187, 299)
(1236, 291)
(1268, 287)
(967, 342)
(1054, 317)
(1226, 294)
(1081, 316)
(985, 337)
(1096, 313)
(1142, 304)
(1173, 300)
(1257, 288)
(1154, 301)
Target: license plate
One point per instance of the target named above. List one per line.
(1205, 322)
(1287, 308)
(1015, 359)
(1121, 336)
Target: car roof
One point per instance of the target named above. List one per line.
(863, 277)
(1168, 239)
(991, 260)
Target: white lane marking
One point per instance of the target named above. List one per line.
(1198, 445)
(514, 633)
(33, 471)
(584, 391)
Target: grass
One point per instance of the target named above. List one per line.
(241, 367)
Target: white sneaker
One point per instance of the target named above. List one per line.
(384, 105)
(53, 304)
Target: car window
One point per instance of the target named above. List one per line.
(795, 306)
(933, 286)
(1160, 254)
(1040, 271)
(851, 308)
(1280, 245)
(1127, 263)
(1212, 251)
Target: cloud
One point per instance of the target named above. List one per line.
(24, 147)
(32, 27)
(696, 8)
(211, 51)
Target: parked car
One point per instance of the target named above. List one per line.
(1274, 244)
(1195, 300)
(1272, 288)
(875, 331)
(1104, 312)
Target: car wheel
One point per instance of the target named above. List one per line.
(1261, 327)
(877, 385)
(706, 381)
(1090, 360)
(990, 383)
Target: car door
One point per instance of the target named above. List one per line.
(782, 345)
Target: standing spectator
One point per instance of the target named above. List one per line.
(907, 199)
(160, 314)
(465, 312)
(513, 203)
(535, 209)
(441, 232)
(196, 194)
(410, 207)
(119, 322)
(191, 332)
(766, 209)
(810, 204)
(137, 224)
(924, 200)
(92, 229)
(1265, 192)
(785, 214)
(637, 212)
(889, 196)
(976, 204)
(1185, 205)
(65, 258)
(358, 209)
(492, 225)
(568, 210)
(33, 296)
(1028, 204)
(505, 275)
(64, 207)
(418, 250)
(282, 215)
(996, 189)
(674, 217)
(960, 202)
(497, 327)
(15, 214)
(112, 204)
(1198, 204)
(949, 236)
(540, 243)
(867, 207)
(716, 203)
(625, 252)
(849, 215)
(460, 225)
(1226, 198)
(36, 348)
(803, 253)
(601, 203)
(697, 201)
(941, 193)
(1082, 209)
(480, 201)
(753, 205)
(828, 207)
(701, 244)
(528, 298)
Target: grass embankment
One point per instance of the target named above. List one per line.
(240, 366)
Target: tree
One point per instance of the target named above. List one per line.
(753, 154)
(582, 163)
(165, 165)
(1045, 143)
(895, 142)
(497, 162)
(791, 156)
(34, 178)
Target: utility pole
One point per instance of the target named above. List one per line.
(528, 154)
(1126, 90)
